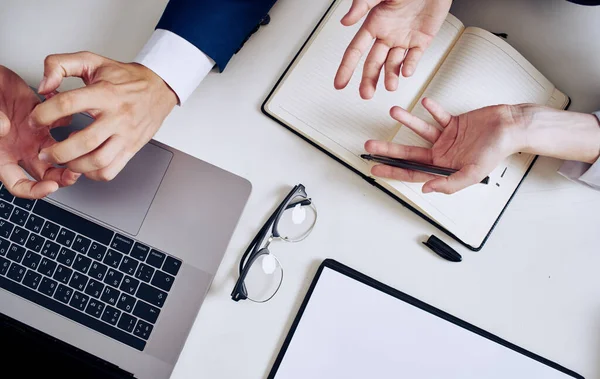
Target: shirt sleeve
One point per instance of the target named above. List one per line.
(581, 172)
(179, 63)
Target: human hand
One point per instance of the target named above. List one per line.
(128, 101)
(402, 30)
(20, 143)
(474, 143)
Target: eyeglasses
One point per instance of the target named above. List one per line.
(261, 273)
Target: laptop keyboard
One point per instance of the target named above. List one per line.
(82, 270)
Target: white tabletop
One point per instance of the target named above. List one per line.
(536, 281)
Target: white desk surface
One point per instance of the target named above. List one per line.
(536, 283)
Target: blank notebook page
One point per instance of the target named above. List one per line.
(341, 121)
(481, 70)
(353, 331)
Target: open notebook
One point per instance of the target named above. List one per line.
(465, 68)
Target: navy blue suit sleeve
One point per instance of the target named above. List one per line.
(217, 27)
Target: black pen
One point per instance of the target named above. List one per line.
(416, 166)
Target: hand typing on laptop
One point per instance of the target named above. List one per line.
(20, 143)
(477, 141)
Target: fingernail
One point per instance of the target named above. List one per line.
(42, 84)
(76, 176)
(43, 156)
(427, 190)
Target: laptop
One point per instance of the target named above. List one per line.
(118, 270)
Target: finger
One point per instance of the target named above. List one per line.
(411, 61)
(59, 66)
(358, 10)
(111, 172)
(17, 183)
(78, 144)
(394, 150)
(100, 158)
(359, 45)
(392, 68)
(4, 125)
(44, 171)
(440, 115)
(467, 176)
(422, 128)
(64, 104)
(372, 69)
(401, 174)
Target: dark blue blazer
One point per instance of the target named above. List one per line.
(217, 27)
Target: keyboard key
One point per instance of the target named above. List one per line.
(65, 237)
(31, 260)
(16, 253)
(113, 278)
(96, 251)
(19, 235)
(143, 330)
(97, 270)
(110, 295)
(34, 224)
(63, 293)
(146, 311)
(4, 265)
(128, 265)
(144, 272)
(16, 272)
(95, 308)
(66, 256)
(6, 228)
(24, 203)
(47, 286)
(78, 281)
(111, 315)
(140, 251)
(32, 279)
(62, 274)
(156, 258)
(50, 230)
(50, 249)
(121, 243)
(127, 322)
(5, 209)
(113, 258)
(78, 224)
(47, 267)
(81, 244)
(94, 288)
(82, 263)
(151, 295)
(129, 285)
(72, 313)
(162, 281)
(19, 216)
(4, 246)
(4, 194)
(79, 300)
(35, 242)
(126, 302)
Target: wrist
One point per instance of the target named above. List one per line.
(166, 96)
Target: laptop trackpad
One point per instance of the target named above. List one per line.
(124, 201)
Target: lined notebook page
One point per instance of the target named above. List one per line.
(481, 70)
(340, 121)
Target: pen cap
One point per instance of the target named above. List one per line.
(442, 249)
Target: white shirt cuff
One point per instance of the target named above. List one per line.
(179, 63)
(582, 172)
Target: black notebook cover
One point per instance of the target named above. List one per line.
(367, 178)
(366, 280)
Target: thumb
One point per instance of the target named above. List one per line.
(4, 125)
(59, 66)
(467, 176)
(358, 10)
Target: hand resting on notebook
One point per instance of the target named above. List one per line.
(402, 30)
(20, 143)
(475, 142)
